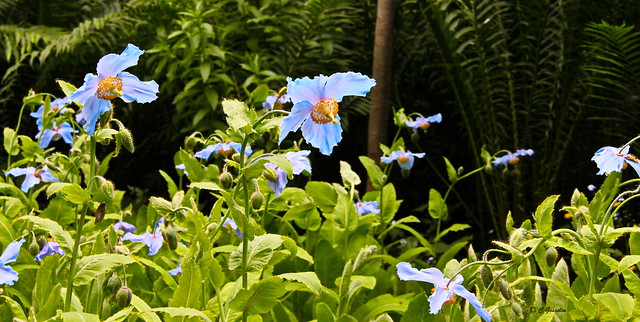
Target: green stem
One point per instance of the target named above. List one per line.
(15, 138)
(245, 218)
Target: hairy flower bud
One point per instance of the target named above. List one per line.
(41, 241)
(171, 237)
(551, 255)
(486, 275)
(34, 248)
(127, 140)
(212, 226)
(114, 283)
(516, 238)
(226, 179)
(505, 290)
(256, 199)
(190, 142)
(270, 174)
(123, 297)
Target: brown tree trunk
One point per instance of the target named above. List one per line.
(382, 54)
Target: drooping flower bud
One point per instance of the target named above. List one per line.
(41, 241)
(100, 212)
(551, 255)
(114, 283)
(270, 174)
(171, 237)
(256, 199)
(226, 179)
(212, 227)
(486, 275)
(505, 290)
(123, 297)
(34, 248)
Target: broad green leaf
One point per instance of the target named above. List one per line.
(349, 177)
(627, 262)
(305, 215)
(120, 315)
(555, 296)
(12, 208)
(452, 174)
(437, 206)
(205, 185)
(620, 305)
(15, 308)
(282, 162)
(418, 310)
(323, 194)
(10, 141)
(453, 228)
(76, 304)
(324, 313)
(259, 252)
(144, 309)
(182, 311)
(161, 205)
(309, 279)
(237, 112)
(450, 252)
(189, 287)
(544, 216)
(260, 93)
(344, 214)
(55, 187)
(374, 172)
(7, 235)
(45, 304)
(11, 190)
(205, 70)
(93, 266)
(631, 281)
(57, 232)
(261, 297)
(59, 211)
(379, 305)
(389, 205)
(328, 264)
(75, 194)
(80, 316)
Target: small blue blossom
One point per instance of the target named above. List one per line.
(424, 122)
(274, 100)
(230, 223)
(367, 207)
(49, 248)
(32, 175)
(405, 159)
(182, 167)
(591, 187)
(223, 149)
(443, 294)
(610, 159)
(512, 158)
(176, 270)
(56, 105)
(153, 241)
(7, 274)
(64, 131)
(124, 226)
(299, 163)
(112, 82)
(315, 106)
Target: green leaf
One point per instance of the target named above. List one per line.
(374, 172)
(57, 232)
(205, 70)
(55, 187)
(80, 316)
(418, 310)
(90, 267)
(75, 194)
(120, 316)
(328, 264)
(59, 211)
(171, 185)
(349, 177)
(260, 93)
(452, 174)
(195, 172)
(627, 262)
(389, 205)
(10, 141)
(189, 287)
(282, 162)
(6, 231)
(323, 194)
(237, 112)
(620, 305)
(345, 215)
(161, 205)
(15, 308)
(555, 296)
(181, 311)
(145, 310)
(452, 228)
(379, 305)
(168, 279)
(544, 216)
(437, 206)
(67, 88)
(206, 186)
(261, 297)
(259, 252)
(309, 279)
(324, 313)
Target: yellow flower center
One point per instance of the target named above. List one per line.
(403, 158)
(325, 111)
(224, 152)
(424, 125)
(109, 88)
(513, 161)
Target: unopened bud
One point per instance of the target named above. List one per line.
(190, 142)
(100, 212)
(171, 237)
(516, 237)
(505, 290)
(123, 297)
(551, 255)
(486, 275)
(460, 170)
(127, 140)
(517, 309)
(114, 283)
(34, 248)
(226, 179)
(41, 241)
(107, 188)
(122, 250)
(405, 173)
(212, 227)
(257, 199)
(270, 174)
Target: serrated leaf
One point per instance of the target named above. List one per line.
(309, 279)
(452, 174)
(259, 252)
(171, 185)
(206, 186)
(75, 194)
(323, 194)
(59, 211)
(145, 310)
(93, 266)
(56, 231)
(195, 172)
(168, 279)
(237, 113)
(260, 298)
(189, 287)
(10, 141)
(349, 177)
(620, 305)
(15, 308)
(437, 206)
(544, 216)
(161, 205)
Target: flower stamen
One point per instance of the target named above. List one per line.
(325, 111)
(109, 88)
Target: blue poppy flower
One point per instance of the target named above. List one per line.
(153, 241)
(32, 175)
(611, 159)
(424, 122)
(7, 274)
(176, 270)
(405, 159)
(299, 163)
(367, 207)
(56, 105)
(49, 248)
(112, 81)
(512, 158)
(64, 131)
(230, 223)
(274, 101)
(315, 106)
(223, 149)
(443, 294)
(124, 226)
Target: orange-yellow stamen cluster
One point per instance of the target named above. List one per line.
(37, 173)
(451, 300)
(424, 125)
(224, 152)
(109, 88)
(325, 111)
(403, 158)
(513, 160)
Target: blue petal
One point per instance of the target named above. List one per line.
(49, 248)
(124, 226)
(437, 299)
(112, 64)
(154, 242)
(87, 90)
(11, 252)
(281, 182)
(306, 89)
(205, 153)
(90, 113)
(47, 136)
(66, 131)
(29, 181)
(350, 83)
(136, 238)
(46, 175)
(21, 171)
(136, 90)
(299, 113)
(7, 275)
(388, 159)
(434, 118)
(430, 275)
(472, 299)
(322, 136)
(176, 270)
(299, 161)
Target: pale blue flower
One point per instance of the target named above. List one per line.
(153, 241)
(112, 81)
(48, 249)
(230, 223)
(32, 175)
(56, 105)
(591, 187)
(176, 270)
(367, 207)
(274, 100)
(443, 294)
(405, 159)
(299, 163)
(610, 159)
(512, 158)
(315, 106)
(7, 274)
(424, 122)
(64, 131)
(223, 149)
(124, 226)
